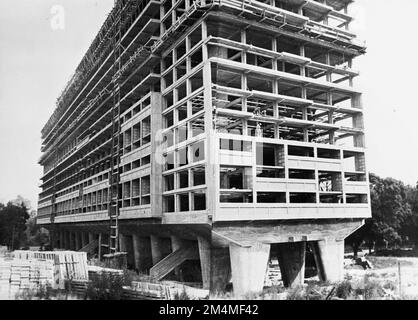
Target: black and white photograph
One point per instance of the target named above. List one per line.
(220, 151)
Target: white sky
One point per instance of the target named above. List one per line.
(36, 62)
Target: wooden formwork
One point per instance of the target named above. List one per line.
(67, 265)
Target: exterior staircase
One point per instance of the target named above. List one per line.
(172, 261)
(90, 248)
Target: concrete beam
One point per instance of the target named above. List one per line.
(329, 258)
(249, 266)
(292, 263)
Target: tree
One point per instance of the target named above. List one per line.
(390, 212)
(13, 219)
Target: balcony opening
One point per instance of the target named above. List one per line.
(302, 198)
(354, 162)
(329, 153)
(271, 197)
(198, 151)
(329, 181)
(196, 81)
(300, 151)
(168, 203)
(184, 202)
(236, 197)
(236, 145)
(235, 177)
(199, 201)
(301, 174)
(196, 36)
(169, 182)
(330, 198)
(198, 176)
(183, 179)
(356, 198)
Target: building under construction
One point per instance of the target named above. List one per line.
(205, 137)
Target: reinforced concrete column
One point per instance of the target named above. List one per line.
(329, 258)
(142, 253)
(220, 270)
(249, 266)
(66, 240)
(77, 241)
(72, 241)
(122, 243)
(160, 248)
(292, 263)
(205, 266)
(62, 245)
(100, 247)
(83, 240)
(91, 237)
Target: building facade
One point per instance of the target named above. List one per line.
(203, 137)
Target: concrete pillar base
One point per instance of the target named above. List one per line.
(204, 255)
(292, 263)
(329, 258)
(249, 266)
(220, 270)
(142, 253)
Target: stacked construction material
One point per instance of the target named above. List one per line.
(18, 274)
(66, 265)
(166, 290)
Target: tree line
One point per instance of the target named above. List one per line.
(394, 219)
(18, 226)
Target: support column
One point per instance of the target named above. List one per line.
(72, 241)
(160, 248)
(77, 241)
(67, 240)
(122, 243)
(249, 266)
(329, 258)
(142, 253)
(91, 237)
(83, 240)
(292, 263)
(204, 254)
(220, 270)
(62, 245)
(100, 246)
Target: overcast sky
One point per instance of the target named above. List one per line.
(37, 60)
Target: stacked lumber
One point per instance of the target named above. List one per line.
(167, 290)
(17, 275)
(68, 265)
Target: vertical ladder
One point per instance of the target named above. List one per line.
(114, 175)
(52, 234)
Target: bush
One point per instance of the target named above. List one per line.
(108, 286)
(344, 290)
(297, 293)
(181, 296)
